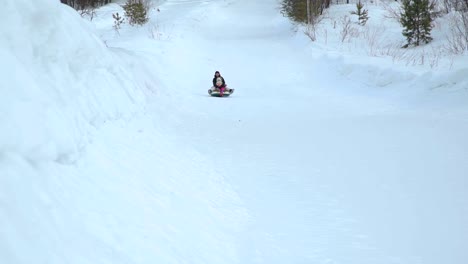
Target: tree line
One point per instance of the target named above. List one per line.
(303, 11)
(83, 4)
(416, 17)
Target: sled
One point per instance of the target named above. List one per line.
(217, 93)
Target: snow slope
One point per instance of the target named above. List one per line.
(320, 156)
(59, 80)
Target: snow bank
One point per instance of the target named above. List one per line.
(379, 43)
(58, 81)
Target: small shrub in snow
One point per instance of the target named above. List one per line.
(310, 31)
(372, 35)
(88, 12)
(417, 21)
(311, 27)
(362, 13)
(118, 21)
(394, 51)
(136, 12)
(392, 11)
(347, 29)
(458, 37)
(158, 32)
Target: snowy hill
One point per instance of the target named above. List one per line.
(60, 81)
(328, 152)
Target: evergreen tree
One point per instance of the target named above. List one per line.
(297, 10)
(82, 4)
(362, 13)
(417, 21)
(118, 21)
(136, 12)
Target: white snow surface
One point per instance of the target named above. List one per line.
(111, 150)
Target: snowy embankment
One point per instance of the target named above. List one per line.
(372, 54)
(85, 176)
(59, 82)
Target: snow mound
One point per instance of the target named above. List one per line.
(58, 81)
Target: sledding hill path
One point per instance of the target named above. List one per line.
(328, 172)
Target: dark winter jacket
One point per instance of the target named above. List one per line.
(222, 79)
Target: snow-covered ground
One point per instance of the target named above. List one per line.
(111, 151)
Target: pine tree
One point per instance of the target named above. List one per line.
(136, 12)
(118, 21)
(417, 21)
(362, 13)
(303, 11)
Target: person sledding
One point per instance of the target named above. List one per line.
(219, 85)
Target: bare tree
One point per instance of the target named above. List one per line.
(458, 38)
